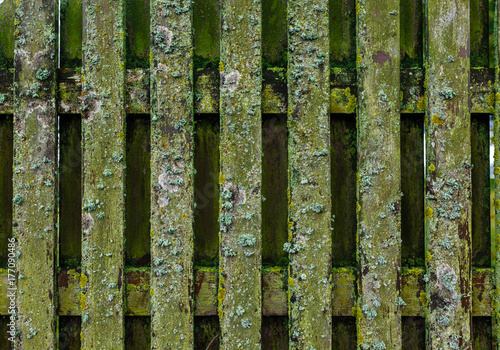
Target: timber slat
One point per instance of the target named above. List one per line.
(103, 162)
(240, 175)
(309, 201)
(172, 187)
(34, 173)
(448, 178)
(274, 289)
(379, 175)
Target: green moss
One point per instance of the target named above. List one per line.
(71, 33)
(138, 40)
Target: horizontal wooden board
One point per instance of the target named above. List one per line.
(274, 284)
(343, 94)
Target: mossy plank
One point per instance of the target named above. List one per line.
(275, 333)
(172, 183)
(412, 39)
(274, 292)
(274, 189)
(137, 187)
(138, 42)
(69, 332)
(309, 201)
(71, 19)
(7, 30)
(496, 167)
(448, 178)
(34, 178)
(343, 164)
(240, 174)
(379, 174)
(480, 212)
(206, 186)
(103, 135)
(413, 187)
(207, 30)
(137, 333)
(6, 159)
(342, 28)
(70, 196)
(479, 33)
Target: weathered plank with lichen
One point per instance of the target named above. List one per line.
(448, 188)
(103, 145)
(274, 292)
(172, 188)
(379, 177)
(496, 164)
(310, 242)
(240, 178)
(6, 159)
(34, 178)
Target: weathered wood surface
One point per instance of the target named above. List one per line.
(496, 164)
(240, 175)
(309, 202)
(274, 98)
(172, 188)
(448, 187)
(274, 292)
(103, 143)
(379, 175)
(34, 178)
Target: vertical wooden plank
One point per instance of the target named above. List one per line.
(70, 191)
(69, 332)
(480, 177)
(379, 179)
(413, 333)
(344, 333)
(138, 42)
(274, 190)
(6, 154)
(137, 187)
(207, 333)
(411, 27)
(240, 178)
(71, 16)
(496, 171)
(479, 33)
(413, 188)
(34, 178)
(309, 215)
(7, 8)
(172, 193)
(275, 333)
(343, 164)
(206, 186)
(448, 205)
(103, 136)
(342, 26)
(137, 333)
(274, 33)
(482, 333)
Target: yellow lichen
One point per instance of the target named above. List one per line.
(423, 299)
(83, 280)
(432, 167)
(422, 103)
(436, 120)
(496, 170)
(428, 255)
(428, 212)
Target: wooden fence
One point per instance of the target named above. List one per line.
(246, 174)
